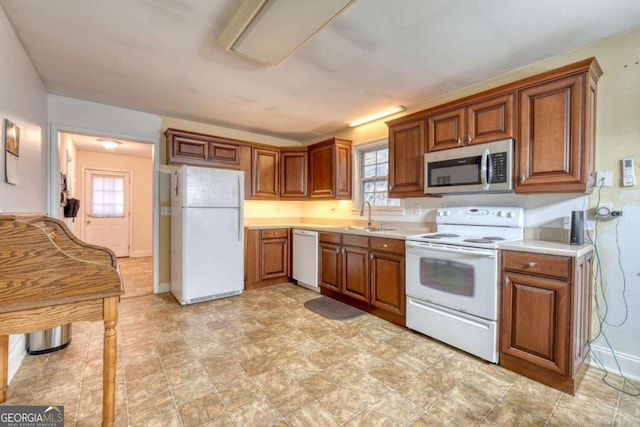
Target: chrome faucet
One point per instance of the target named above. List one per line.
(370, 221)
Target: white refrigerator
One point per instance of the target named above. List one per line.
(207, 255)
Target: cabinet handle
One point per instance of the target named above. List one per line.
(343, 250)
(371, 257)
(522, 179)
(276, 234)
(385, 245)
(459, 141)
(337, 250)
(532, 264)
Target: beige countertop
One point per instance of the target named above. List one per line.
(391, 233)
(546, 247)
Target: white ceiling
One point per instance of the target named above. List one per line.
(161, 56)
(126, 148)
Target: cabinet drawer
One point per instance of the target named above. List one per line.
(395, 246)
(355, 240)
(273, 233)
(544, 265)
(330, 237)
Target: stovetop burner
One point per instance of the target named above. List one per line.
(482, 240)
(442, 235)
(493, 238)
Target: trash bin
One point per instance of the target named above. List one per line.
(49, 340)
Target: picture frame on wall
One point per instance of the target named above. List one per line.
(12, 137)
(12, 151)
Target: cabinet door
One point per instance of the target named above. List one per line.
(550, 144)
(445, 130)
(329, 265)
(293, 174)
(343, 171)
(321, 172)
(355, 272)
(536, 321)
(406, 159)
(184, 149)
(274, 258)
(224, 155)
(387, 282)
(266, 173)
(490, 120)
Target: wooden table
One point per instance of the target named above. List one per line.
(49, 278)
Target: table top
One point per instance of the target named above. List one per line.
(35, 272)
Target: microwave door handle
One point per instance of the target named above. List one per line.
(485, 169)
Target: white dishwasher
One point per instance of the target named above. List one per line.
(305, 258)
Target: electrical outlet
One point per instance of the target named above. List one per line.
(604, 178)
(165, 210)
(417, 209)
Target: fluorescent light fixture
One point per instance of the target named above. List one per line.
(109, 144)
(269, 31)
(377, 116)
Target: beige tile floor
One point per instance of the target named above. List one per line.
(137, 275)
(262, 359)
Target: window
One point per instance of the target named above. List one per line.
(107, 196)
(374, 176)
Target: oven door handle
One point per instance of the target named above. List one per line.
(461, 251)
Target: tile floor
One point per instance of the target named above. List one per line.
(263, 359)
(137, 275)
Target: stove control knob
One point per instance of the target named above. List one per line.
(447, 213)
(500, 214)
(511, 215)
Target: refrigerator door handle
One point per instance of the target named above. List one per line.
(240, 209)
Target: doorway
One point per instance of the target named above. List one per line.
(116, 191)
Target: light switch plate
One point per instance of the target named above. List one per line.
(165, 210)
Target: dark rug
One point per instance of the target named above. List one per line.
(332, 309)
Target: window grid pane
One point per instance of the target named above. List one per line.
(375, 171)
(107, 196)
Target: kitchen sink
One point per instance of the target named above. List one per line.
(356, 228)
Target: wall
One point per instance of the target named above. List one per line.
(23, 100)
(142, 193)
(617, 136)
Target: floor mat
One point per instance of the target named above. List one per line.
(332, 309)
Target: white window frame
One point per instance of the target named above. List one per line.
(357, 178)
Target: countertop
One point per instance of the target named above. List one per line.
(527, 245)
(391, 233)
(546, 247)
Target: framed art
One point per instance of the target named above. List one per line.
(12, 137)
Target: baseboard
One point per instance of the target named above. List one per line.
(17, 351)
(164, 287)
(629, 365)
(136, 254)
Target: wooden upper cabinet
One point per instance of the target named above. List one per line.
(445, 130)
(199, 149)
(265, 167)
(406, 160)
(555, 144)
(491, 120)
(481, 121)
(330, 169)
(293, 173)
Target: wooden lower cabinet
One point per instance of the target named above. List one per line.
(266, 257)
(367, 273)
(545, 318)
(387, 282)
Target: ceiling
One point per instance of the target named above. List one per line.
(161, 56)
(126, 148)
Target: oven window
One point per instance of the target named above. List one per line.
(452, 277)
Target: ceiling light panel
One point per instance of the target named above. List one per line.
(268, 31)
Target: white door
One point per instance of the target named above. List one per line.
(107, 216)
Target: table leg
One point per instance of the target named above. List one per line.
(109, 361)
(4, 366)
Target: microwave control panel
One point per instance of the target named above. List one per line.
(499, 166)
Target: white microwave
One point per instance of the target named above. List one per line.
(470, 169)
